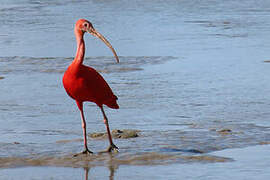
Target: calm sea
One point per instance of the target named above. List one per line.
(193, 78)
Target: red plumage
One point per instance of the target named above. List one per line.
(84, 83)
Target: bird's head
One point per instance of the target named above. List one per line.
(85, 26)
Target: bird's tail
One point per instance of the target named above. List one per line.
(111, 103)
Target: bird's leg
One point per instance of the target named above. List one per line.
(112, 147)
(86, 150)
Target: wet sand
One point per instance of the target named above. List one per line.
(135, 149)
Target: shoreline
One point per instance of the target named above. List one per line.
(252, 162)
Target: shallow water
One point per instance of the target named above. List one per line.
(193, 78)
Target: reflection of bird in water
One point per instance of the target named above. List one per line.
(111, 165)
(86, 171)
(111, 168)
(112, 171)
(83, 83)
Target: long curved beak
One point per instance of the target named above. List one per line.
(98, 35)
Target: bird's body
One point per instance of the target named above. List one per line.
(83, 83)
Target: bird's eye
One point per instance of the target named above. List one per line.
(85, 25)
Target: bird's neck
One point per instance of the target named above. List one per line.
(80, 48)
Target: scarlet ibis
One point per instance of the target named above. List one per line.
(83, 83)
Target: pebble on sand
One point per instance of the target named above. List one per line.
(116, 133)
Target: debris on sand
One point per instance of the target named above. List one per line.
(264, 143)
(225, 131)
(69, 141)
(222, 131)
(116, 133)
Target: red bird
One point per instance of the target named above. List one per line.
(83, 83)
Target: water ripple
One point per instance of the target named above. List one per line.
(102, 64)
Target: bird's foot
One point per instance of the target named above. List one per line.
(86, 151)
(111, 148)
